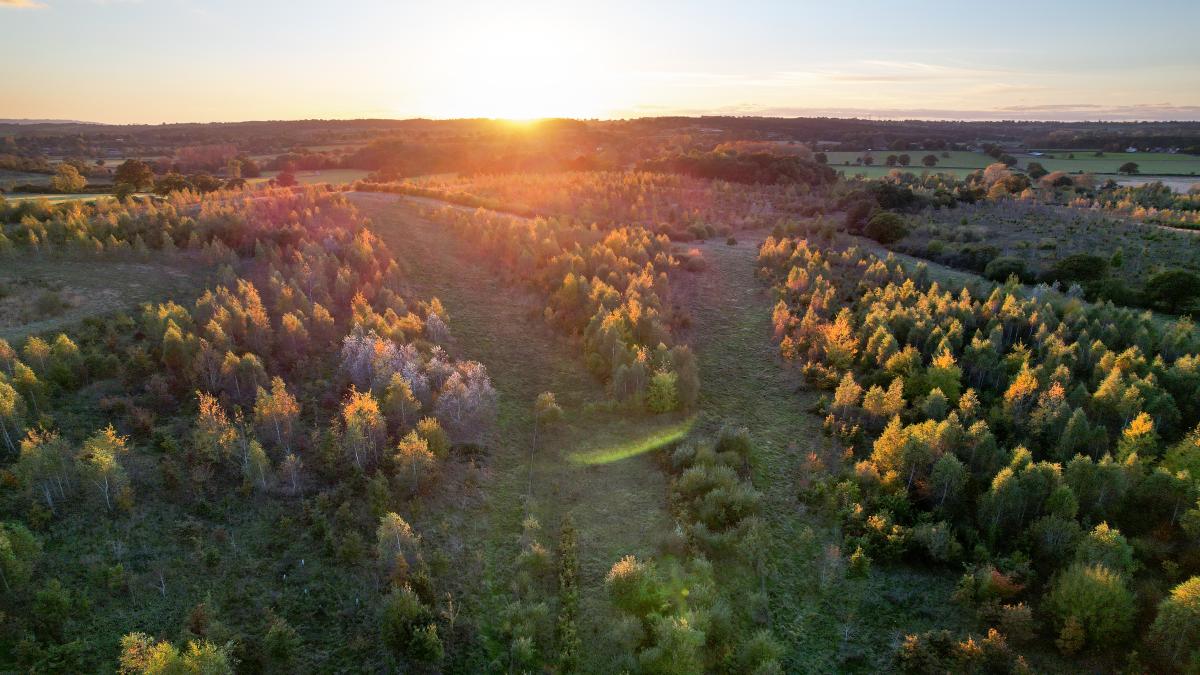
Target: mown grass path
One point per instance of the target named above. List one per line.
(590, 467)
(828, 624)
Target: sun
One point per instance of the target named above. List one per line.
(521, 68)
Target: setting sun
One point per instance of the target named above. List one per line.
(516, 67)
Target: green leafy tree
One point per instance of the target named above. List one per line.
(100, 464)
(437, 438)
(282, 643)
(67, 179)
(134, 174)
(546, 411)
(20, 551)
(677, 649)
(886, 227)
(52, 608)
(633, 586)
(277, 410)
(1106, 546)
(1128, 168)
(1096, 597)
(172, 182)
(142, 655)
(414, 458)
(400, 406)
(46, 467)
(662, 396)
(947, 480)
(1174, 289)
(397, 546)
(1176, 629)
(12, 410)
(408, 630)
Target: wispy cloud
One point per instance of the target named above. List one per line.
(869, 70)
(854, 72)
(21, 4)
(1067, 112)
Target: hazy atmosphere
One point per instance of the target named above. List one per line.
(613, 338)
(151, 61)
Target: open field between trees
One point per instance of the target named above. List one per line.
(599, 467)
(823, 621)
(45, 295)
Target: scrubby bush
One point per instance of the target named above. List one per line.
(1000, 269)
(886, 228)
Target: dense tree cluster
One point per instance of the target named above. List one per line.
(609, 287)
(1049, 442)
(767, 168)
(303, 370)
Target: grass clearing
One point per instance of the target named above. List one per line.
(1040, 235)
(828, 624)
(1086, 161)
(602, 470)
(55, 198)
(316, 177)
(10, 178)
(619, 506)
(40, 295)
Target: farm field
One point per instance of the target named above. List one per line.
(959, 163)
(1085, 161)
(10, 178)
(332, 176)
(958, 159)
(55, 198)
(881, 171)
(1175, 183)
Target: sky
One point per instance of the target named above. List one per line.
(154, 61)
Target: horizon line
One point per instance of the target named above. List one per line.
(866, 117)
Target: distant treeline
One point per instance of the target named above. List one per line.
(615, 140)
(759, 167)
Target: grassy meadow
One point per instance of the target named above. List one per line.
(51, 294)
(599, 467)
(332, 176)
(1086, 161)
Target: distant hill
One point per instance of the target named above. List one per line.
(4, 120)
